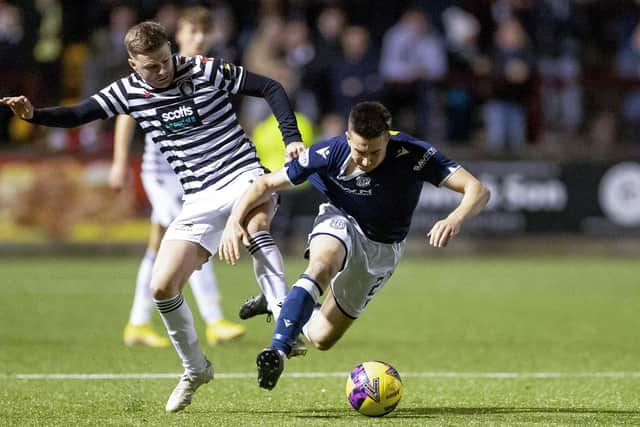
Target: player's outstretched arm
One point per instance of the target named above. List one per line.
(122, 137)
(476, 196)
(257, 194)
(65, 117)
(276, 97)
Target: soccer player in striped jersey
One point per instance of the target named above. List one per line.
(163, 189)
(372, 177)
(184, 105)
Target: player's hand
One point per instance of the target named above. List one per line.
(20, 105)
(232, 235)
(442, 231)
(118, 177)
(293, 150)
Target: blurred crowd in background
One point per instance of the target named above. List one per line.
(494, 78)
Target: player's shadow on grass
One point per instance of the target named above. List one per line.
(431, 412)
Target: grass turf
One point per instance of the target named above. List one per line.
(565, 315)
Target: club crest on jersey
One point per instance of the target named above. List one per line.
(303, 159)
(176, 117)
(424, 159)
(324, 152)
(187, 87)
(363, 181)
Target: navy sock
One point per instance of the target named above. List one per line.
(296, 311)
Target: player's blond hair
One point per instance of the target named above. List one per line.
(145, 37)
(197, 16)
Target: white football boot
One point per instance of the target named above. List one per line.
(188, 384)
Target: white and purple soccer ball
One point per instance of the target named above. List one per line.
(374, 388)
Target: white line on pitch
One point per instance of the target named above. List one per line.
(241, 375)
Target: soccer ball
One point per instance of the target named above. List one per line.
(374, 388)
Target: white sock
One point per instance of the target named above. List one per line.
(143, 298)
(269, 269)
(205, 290)
(177, 318)
(305, 327)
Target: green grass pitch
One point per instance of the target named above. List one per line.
(565, 330)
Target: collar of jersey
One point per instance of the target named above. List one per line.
(343, 168)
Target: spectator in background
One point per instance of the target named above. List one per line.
(223, 30)
(354, 77)
(107, 62)
(330, 24)
(628, 67)
(168, 15)
(14, 59)
(48, 47)
(558, 65)
(413, 58)
(264, 49)
(463, 57)
(297, 46)
(511, 75)
(255, 111)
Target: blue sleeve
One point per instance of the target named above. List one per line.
(434, 167)
(312, 160)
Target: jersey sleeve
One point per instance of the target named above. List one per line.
(434, 167)
(312, 160)
(224, 75)
(113, 99)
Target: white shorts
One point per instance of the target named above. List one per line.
(204, 214)
(368, 264)
(165, 195)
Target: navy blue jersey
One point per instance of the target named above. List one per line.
(381, 201)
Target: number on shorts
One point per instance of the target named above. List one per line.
(376, 286)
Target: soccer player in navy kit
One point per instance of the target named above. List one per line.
(372, 177)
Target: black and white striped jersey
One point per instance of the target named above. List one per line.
(192, 120)
(153, 162)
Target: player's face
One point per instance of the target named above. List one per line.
(193, 39)
(155, 68)
(367, 153)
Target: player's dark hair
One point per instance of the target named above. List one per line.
(145, 37)
(370, 119)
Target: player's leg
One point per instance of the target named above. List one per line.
(327, 324)
(205, 290)
(176, 260)
(327, 257)
(267, 259)
(139, 329)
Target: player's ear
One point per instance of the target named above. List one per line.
(132, 63)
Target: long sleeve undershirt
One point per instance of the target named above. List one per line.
(89, 110)
(86, 111)
(275, 95)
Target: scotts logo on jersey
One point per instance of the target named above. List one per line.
(177, 117)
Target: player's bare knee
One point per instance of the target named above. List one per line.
(162, 285)
(161, 292)
(323, 343)
(322, 270)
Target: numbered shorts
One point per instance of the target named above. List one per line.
(368, 264)
(204, 214)
(165, 195)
